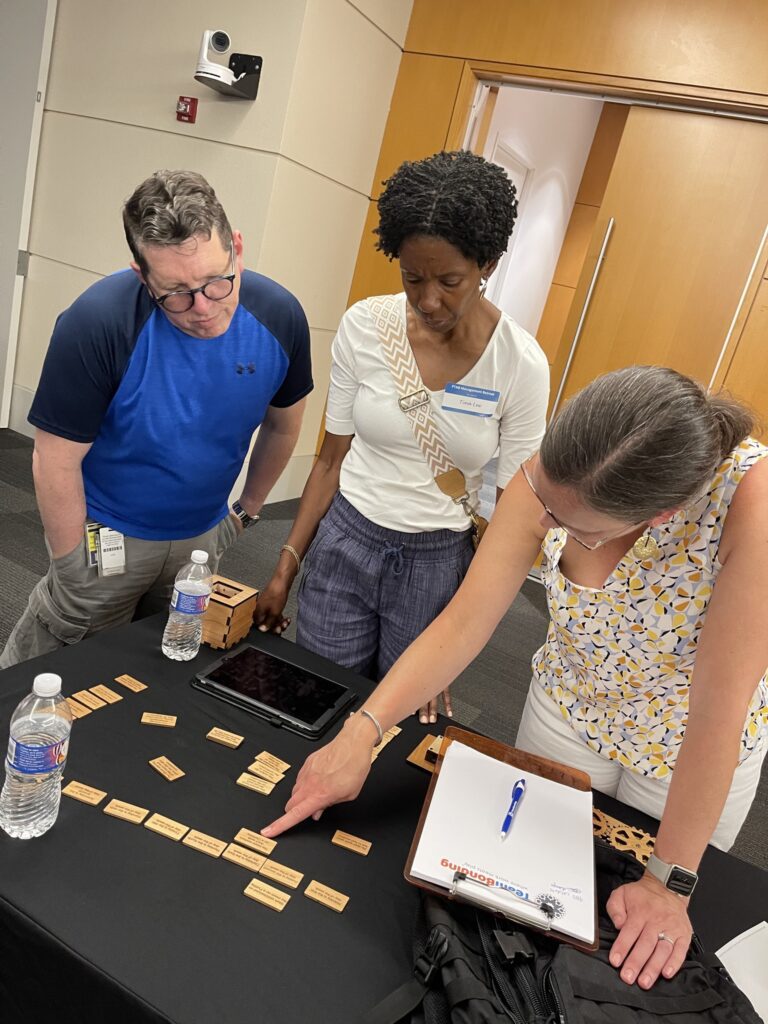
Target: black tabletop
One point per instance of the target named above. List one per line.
(105, 920)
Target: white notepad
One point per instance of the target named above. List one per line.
(547, 855)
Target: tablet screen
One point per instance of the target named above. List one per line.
(278, 685)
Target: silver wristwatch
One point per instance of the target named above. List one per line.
(243, 516)
(675, 878)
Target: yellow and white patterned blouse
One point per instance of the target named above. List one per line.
(618, 661)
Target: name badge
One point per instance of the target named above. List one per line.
(110, 552)
(471, 401)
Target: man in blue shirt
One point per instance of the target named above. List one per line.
(155, 380)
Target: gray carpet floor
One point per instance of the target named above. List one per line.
(489, 695)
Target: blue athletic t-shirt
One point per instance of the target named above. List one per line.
(170, 417)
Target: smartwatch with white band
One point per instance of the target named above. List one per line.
(675, 878)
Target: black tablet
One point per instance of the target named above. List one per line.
(283, 694)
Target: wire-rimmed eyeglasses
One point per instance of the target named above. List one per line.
(589, 546)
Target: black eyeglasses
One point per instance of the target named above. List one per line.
(216, 289)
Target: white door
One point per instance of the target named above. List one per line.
(26, 31)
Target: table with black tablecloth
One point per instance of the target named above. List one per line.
(101, 920)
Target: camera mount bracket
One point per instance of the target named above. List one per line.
(246, 69)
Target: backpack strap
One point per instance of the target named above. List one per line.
(404, 1000)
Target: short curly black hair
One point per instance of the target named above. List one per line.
(458, 196)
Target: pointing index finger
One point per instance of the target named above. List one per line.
(298, 813)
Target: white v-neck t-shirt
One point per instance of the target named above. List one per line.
(384, 475)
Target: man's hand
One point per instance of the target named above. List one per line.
(654, 931)
(331, 775)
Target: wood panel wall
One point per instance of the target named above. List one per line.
(707, 52)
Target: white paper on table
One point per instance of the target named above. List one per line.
(548, 851)
(746, 958)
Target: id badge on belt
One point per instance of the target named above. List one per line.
(104, 549)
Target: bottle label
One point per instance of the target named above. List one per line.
(189, 604)
(35, 758)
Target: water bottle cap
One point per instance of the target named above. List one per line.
(47, 684)
(200, 557)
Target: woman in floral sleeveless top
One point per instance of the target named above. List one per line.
(649, 501)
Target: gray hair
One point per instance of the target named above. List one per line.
(171, 207)
(640, 441)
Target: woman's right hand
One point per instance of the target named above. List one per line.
(268, 614)
(331, 775)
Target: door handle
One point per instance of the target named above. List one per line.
(582, 317)
(739, 305)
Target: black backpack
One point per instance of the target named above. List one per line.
(471, 967)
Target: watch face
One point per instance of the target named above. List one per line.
(681, 881)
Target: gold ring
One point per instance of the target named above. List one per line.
(665, 938)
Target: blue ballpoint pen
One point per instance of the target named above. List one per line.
(517, 795)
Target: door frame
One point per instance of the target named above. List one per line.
(613, 90)
(7, 363)
(476, 73)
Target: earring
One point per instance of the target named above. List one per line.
(483, 286)
(645, 547)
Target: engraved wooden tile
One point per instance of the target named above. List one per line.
(205, 844)
(245, 858)
(255, 783)
(128, 812)
(255, 841)
(105, 693)
(272, 761)
(328, 897)
(266, 894)
(167, 768)
(266, 771)
(151, 718)
(227, 739)
(350, 842)
(86, 794)
(130, 683)
(89, 699)
(166, 827)
(280, 873)
(78, 710)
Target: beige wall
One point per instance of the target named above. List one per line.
(293, 169)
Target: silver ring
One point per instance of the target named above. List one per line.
(665, 938)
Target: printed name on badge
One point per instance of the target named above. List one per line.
(471, 401)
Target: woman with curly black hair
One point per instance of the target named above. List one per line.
(423, 382)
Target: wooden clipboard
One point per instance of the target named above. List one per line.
(552, 770)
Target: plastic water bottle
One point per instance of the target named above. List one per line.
(184, 629)
(37, 752)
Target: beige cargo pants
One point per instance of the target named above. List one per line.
(72, 601)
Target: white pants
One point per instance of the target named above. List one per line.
(544, 731)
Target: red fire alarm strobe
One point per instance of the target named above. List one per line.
(186, 109)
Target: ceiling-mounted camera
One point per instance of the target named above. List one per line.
(239, 78)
